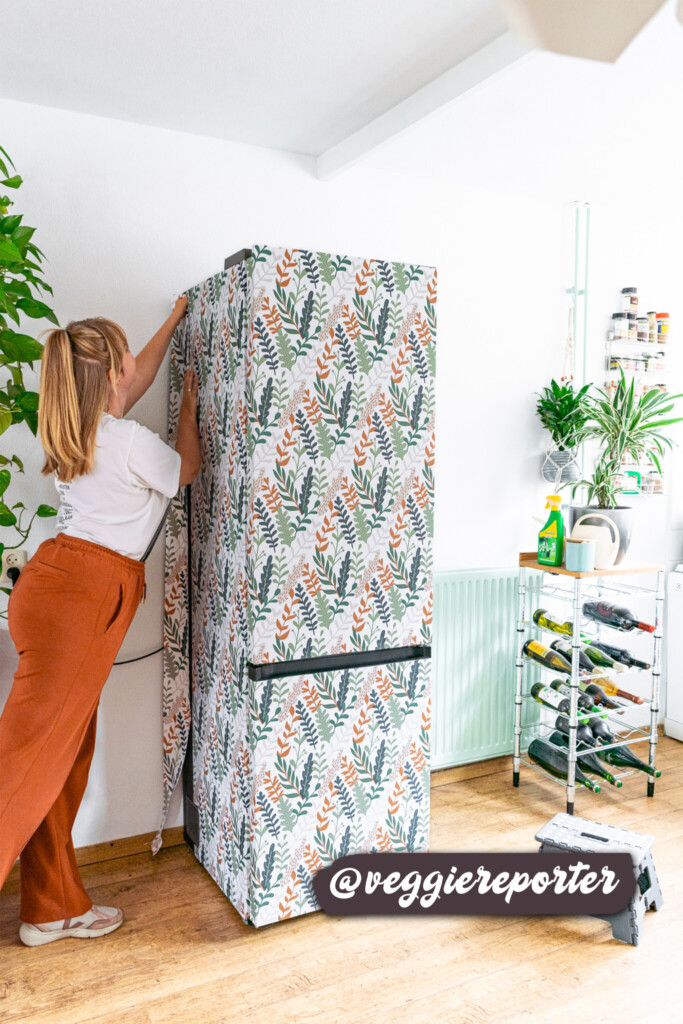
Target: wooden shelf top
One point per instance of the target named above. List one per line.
(529, 560)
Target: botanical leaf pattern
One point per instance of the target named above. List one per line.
(310, 523)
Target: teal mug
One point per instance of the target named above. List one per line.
(579, 555)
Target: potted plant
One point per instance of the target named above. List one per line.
(20, 279)
(622, 424)
(562, 411)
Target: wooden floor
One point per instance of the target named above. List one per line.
(183, 955)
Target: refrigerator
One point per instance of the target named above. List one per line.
(298, 571)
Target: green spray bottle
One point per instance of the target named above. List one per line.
(551, 537)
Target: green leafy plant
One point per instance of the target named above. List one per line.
(20, 285)
(563, 411)
(624, 424)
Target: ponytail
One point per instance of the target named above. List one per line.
(74, 391)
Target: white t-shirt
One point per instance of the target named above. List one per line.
(119, 504)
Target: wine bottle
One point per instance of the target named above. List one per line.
(623, 758)
(598, 694)
(561, 646)
(587, 762)
(584, 701)
(564, 647)
(614, 615)
(555, 761)
(543, 619)
(600, 658)
(600, 731)
(551, 699)
(546, 657)
(583, 732)
(620, 655)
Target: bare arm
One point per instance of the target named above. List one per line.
(148, 361)
(187, 444)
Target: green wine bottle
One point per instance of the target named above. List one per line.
(622, 757)
(543, 619)
(584, 701)
(587, 762)
(601, 659)
(555, 761)
(564, 647)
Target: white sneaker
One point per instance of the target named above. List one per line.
(95, 922)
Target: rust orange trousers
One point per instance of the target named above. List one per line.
(67, 614)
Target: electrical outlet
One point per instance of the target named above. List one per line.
(13, 558)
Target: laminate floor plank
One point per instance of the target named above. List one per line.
(183, 955)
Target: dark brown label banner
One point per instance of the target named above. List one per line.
(476, 883)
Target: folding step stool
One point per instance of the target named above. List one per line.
(567, 832)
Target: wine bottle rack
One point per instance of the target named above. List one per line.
(592, 585)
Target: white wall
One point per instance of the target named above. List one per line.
(129, 215)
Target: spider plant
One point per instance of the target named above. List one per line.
(563, 411)
(625, 424)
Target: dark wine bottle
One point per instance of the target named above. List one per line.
(543, 619)
(622, 757)
(546, 657)
(587, 762)
(583, 732)
(620, 655)
(599, 696)
(555, 761)
(584, 701)
(614, 615)
(600, 731)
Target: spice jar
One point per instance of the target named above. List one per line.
(662, 327)
(619, 326)
(643, 329)
(652, 326)
(632, 326)
(629, 300)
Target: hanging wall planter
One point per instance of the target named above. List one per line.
(562, 412)
(560, 466)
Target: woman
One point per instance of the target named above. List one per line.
(75, 599)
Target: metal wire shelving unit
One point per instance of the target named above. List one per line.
(586, 586)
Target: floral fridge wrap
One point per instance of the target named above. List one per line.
(306, 535)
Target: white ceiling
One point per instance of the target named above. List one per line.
(565, 128)
(299, 75)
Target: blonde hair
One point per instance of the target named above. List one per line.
(74, 391)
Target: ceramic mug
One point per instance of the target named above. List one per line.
(580, 555)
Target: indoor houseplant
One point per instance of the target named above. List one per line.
(20, 280)
(563, 412)
(622, 424)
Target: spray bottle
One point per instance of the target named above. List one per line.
(551, 537)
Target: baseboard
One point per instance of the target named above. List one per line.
(128, 847)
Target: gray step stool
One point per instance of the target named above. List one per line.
(567, 832)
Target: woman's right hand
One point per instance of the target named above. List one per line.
(190, 389)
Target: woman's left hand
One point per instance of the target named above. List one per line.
(180, 308)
